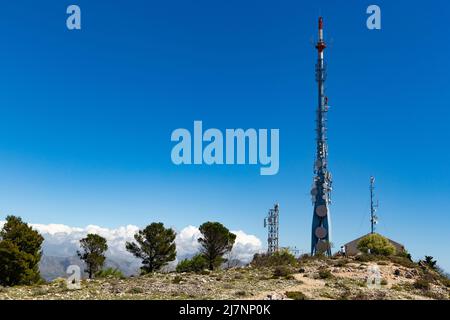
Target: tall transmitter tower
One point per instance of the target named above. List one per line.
(320, 192)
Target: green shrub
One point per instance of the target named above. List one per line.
(384, 282)
(368, 258)
(340, 263)
(405, 262)
(135, 290)
(196, 264)
(404, 254)
(177, 280)
(279, 258)
(422, 284)
(377, 244)
(295, 295)
(240, 293)
(281, 271)
(446, 282)
(325, 274)
(110, 273)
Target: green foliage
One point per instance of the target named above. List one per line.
(368, 258)
(280, 258)
(177, 280)
(216, 240)
(405, 254)
(155, 246)
(240, 293)
(341, 262)
(377, 244)
(196, 264)
(422, 284)
(135, 290)
(20, 253)
(325, 274)
(93, 253)
(295, 295)
(281, 271)
(429, 262)
(405, 262)
(110, 273)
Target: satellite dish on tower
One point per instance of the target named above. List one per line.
(321, 232)
(322, 246)
(322, 211)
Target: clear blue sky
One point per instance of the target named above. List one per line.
(86, 116)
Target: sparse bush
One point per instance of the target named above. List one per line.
(404, 254)
(404, 262)
(110, 273)
(238, 276)
(446, 282)
(177, 280)
(241, 293)
(196, 264)
(135, 290)
(279, 258)
(295, 295)
(38, 292)
(422, 284)
(340, 263)
(377, 244)
(384, 282)
(281, 271)
(367, 258)
(325, 274)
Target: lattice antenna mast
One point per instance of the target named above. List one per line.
(373, 206)
(272, 224)
(321, 190)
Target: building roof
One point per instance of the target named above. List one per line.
(390, 240)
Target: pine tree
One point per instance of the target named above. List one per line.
(216, 241)
(155, 246)
(20, 253)
(93, 254)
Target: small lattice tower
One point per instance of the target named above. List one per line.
(272, 224)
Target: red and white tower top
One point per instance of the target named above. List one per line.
(320, 46)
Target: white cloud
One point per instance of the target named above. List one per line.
(62, 241)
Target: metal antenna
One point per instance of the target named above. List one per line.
(321, 190)
(373, 206)
(272, 224)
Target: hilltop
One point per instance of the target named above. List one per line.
(310, 278)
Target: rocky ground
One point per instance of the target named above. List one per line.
(311, 279)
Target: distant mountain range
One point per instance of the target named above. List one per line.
(52, 267)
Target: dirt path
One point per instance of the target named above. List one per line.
(310, 287)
